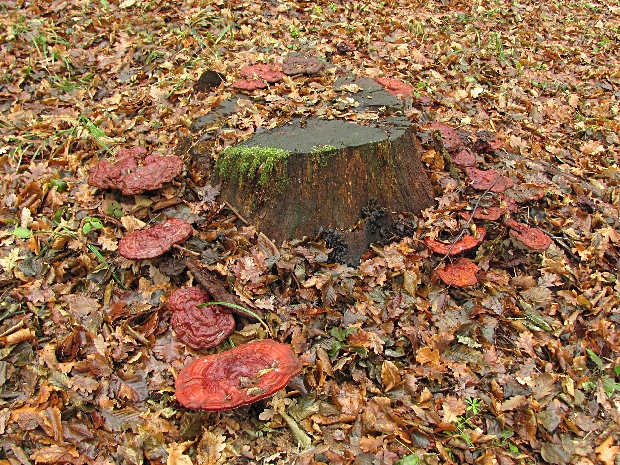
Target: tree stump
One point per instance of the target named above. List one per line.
(307, 176)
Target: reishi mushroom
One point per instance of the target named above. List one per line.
(154, 241)
(267, 72)
(464, 157)
(199, 327)
(484, 213)
(464, 243)
(395, 87)
(240, 376)
(531, 238)
(460, 273)
(249, 84)
(451, 140)
(134, 171)
(489, 179)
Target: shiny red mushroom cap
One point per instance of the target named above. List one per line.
(531, 238)
(199, 327)
(464, 243)
(249, 84)
(488, 179)
(134, 171)
(155, 241)
(237, 377)
(267, 72)
(395, 87)
(461, 273)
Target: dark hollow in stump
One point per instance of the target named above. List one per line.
(296, 179)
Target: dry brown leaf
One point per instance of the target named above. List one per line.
(175, 453)
(453, 407)
(427, 356)
(390, 376)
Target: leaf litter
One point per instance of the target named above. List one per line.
(398, 367)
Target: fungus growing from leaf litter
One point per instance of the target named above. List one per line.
(249, 84)
(395, 87)
(199, 327)
(464, 157)
(486, 141)
(461, 273)
(489, 179)
(451, 140)
(134, 171)
(155, 241)
(240, 376)
(464, 243)
(531, 238)
(297, 65)
(268, 73)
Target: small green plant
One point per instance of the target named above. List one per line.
(115, 210)
(465, 422)
(90, 224)
(332, 7)
(94, 130)
(603, 374)
(22, 233)
(340, 335)
(411, 459)
(504, 441)
(60, 184)
(318, 10)
(294, 31)
(474, 406)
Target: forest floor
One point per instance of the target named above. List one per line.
(398, 367)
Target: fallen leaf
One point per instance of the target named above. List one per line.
(607, 452)
(390, 376)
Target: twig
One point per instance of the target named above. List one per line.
(185, 250)
(237, 214)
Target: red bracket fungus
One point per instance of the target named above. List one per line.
(461, 273)
(155, 241)
(532, 238)
(489, 179)
(464, 243)
(395, 87)
(249, 84)
(486, 142)
(451, 140)
(268, 73)
(134, 171)
(297, 65)
(237, 377)
(464, 157)
(199, 327)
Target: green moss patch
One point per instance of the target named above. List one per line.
(264, 165)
